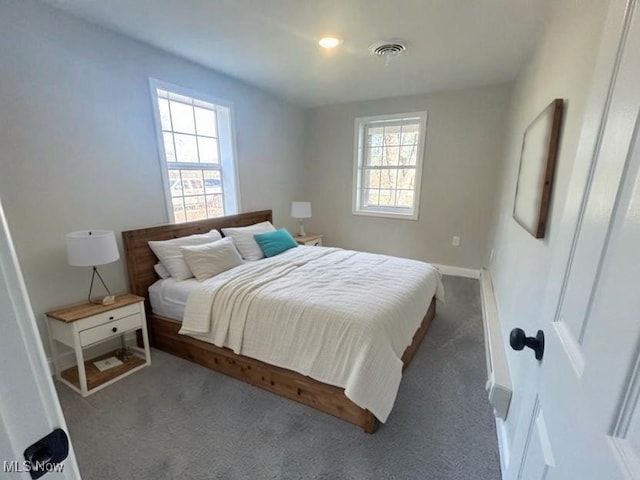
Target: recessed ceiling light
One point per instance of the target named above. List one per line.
(329, 42)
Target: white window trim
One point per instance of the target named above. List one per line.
(391, 212)
(232, 202)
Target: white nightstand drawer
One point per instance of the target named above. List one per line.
(110, 316)
(314, 243)
(111, 329)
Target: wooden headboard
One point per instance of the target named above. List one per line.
(141, 259)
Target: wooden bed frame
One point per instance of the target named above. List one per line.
(163, 332)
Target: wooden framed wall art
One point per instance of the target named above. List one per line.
(537, 166)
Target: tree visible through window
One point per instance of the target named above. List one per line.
(196, 141)
(388, 162)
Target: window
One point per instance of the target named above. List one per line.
(197, 147)
(388, 165)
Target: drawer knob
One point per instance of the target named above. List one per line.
(114, 329)
(111, 318)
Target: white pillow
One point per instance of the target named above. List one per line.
(161, 271)
(210, 259)
(169, 254)
(244, 241)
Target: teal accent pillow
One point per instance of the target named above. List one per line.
(273, 243)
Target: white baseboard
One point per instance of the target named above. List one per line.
(498, 385)
(457, 271)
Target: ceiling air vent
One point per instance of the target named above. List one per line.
(385, 49)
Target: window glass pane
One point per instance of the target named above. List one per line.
(392, 135)
(182, 117)
(374, 136)
(165, 116)
(195, 207)
(178, 210)
(206, 122)
(192, 183)
(387, 198)
(390, 156)
(186, 148)
(408, 155)
(175, 183)
(208, 148)
(371, 197)
(192, 143)
(371, 178)
(405, 198)
(215, 206)
(410, 134)
(388, 178)
(373, 156)
(212, 181)
(169, 151)
(406, 178)
(387, 161)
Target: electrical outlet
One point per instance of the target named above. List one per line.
(456, 241)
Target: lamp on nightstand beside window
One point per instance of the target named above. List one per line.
(301, 210)
(90, 248)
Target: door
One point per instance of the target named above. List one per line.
(585, 421)
(29, 408)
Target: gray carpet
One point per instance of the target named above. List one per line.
(177, 420)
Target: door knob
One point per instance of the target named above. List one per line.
(43, 455)
(518, 340)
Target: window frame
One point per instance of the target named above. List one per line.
(361, 123)
(226, 166)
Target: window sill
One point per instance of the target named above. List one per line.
(396, 216)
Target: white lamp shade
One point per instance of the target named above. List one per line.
(88, 248)
(301, 209)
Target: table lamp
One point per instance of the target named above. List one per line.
(90, 248)
(301, 210)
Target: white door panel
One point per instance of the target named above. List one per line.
(601, 201)
(537, 460)
(625, 437)
(594, 227)
(29, 408)
(586, 419)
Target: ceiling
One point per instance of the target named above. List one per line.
(273, 43)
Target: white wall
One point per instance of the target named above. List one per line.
(561, 67)
(78, 148)
(464, 145)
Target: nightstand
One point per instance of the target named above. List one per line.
(311, 239)
(82, 326)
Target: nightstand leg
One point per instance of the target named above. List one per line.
(82, 375)
(145, 342)
(54, 357)
(54, 350)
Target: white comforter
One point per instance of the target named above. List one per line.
(338, 316)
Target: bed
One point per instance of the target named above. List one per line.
(202, 348)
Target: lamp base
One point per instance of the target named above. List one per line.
(301, 232)
(107, 300)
